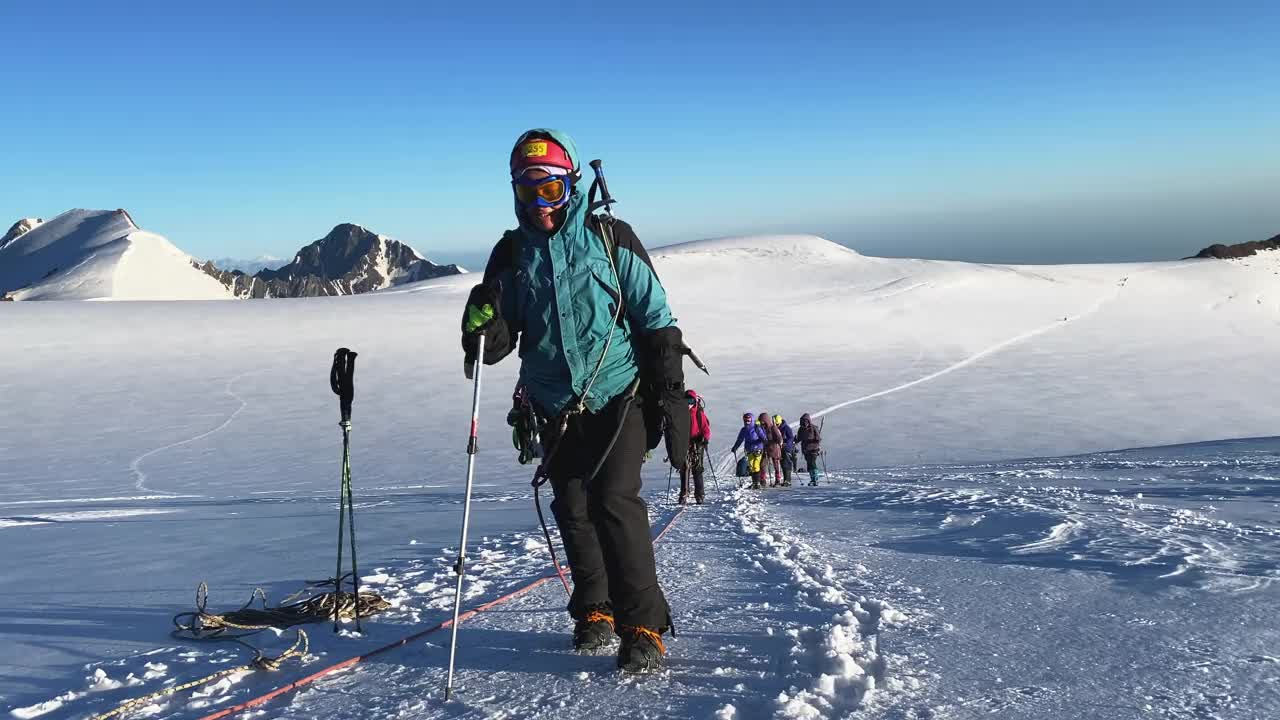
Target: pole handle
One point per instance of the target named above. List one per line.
(342, 380)
(599, 183)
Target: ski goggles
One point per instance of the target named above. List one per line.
(549, 191)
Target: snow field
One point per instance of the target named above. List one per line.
(165, 443)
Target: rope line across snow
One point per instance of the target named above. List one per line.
(356, 659)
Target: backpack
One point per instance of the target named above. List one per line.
(699, 425)
(810, 438)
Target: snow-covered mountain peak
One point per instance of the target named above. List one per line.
(350, 259)
(248, 266)
(99, 255)
(20, 228)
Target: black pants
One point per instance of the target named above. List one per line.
(811, 462)
(605, 527)
(788, 464)
(694, 467)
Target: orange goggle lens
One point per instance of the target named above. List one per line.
(551, 191)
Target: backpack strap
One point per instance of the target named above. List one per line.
(504, 256)
(602, 226)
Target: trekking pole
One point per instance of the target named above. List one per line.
(823, 455)
(669, 471)
(715, 478)
(460, 566)
(342, 382)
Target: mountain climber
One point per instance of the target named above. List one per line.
(772, 450)
(699, 438)
(579, 295)
(788, 449)
(751, 439)
(810, 439)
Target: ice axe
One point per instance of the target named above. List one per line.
(694, 357)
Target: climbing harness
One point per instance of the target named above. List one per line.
(526, 426)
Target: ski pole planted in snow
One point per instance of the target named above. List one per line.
(460, 566)
(823, 454)
(715, 478)
(342, 381)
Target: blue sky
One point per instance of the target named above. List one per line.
(988, 131)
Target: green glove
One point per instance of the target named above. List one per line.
(477, 317)
(482, 316)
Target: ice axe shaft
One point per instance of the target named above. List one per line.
(696, 360)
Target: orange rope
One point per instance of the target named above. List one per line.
(324, 672)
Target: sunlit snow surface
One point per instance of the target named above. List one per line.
(149, 446)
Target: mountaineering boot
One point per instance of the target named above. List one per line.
(682, 499)
(641, 650)
(595, 630)
(697, 499)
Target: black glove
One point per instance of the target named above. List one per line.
(666, 356)
(483, 317)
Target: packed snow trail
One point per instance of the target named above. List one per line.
(765, 629)
(1101, 586)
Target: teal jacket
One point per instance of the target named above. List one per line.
(559, 294)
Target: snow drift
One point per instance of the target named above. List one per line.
(100, 255)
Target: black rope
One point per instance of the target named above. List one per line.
(540, 478)
(617, 432)
(306, 606)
